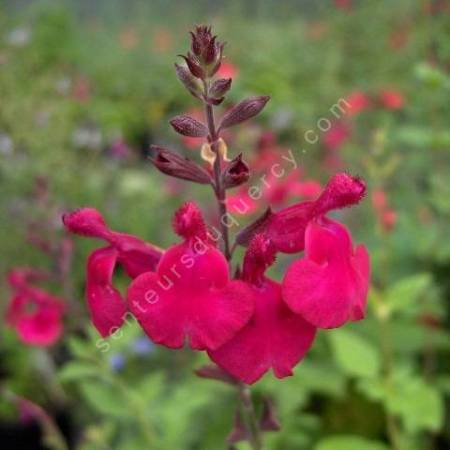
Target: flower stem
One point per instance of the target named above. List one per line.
(219, 189)
(245, 396)
(253, 430)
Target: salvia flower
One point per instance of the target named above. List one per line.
(106, 305)
(275, 338)
(35, 314)
(286, 228)
(328, 287)
(190, 297)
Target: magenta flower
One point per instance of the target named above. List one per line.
(35, 314)
(328, 287)
(275, 338)
(286, 228)
(105, 302)
(190, 297)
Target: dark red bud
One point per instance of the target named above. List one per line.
(191, 83)
(194, 66)
(213, 372)
(188, 126)
(236, 173)
(243, 111)
(211, 51)
(269, 421)
(215, 101)
(220, 87)
(174, 165)
(239, 431)
(257, 227)
(195, 45)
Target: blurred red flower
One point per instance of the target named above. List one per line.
(35, 314)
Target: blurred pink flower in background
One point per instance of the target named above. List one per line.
(35, 314)
(227, 70)
(358, 101)
(343, 4)
(391, 99)
(162, 41)
(387, 216)
(81, 89)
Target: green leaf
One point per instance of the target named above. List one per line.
(76, 370)
(415, 402)
(419, 405)
(105, 398)
(407, 291)
(80, 348)
(348, 442)
(354, 354)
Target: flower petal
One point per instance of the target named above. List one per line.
(190, 298)
(329, 285)
(274, 338)
(105, 303)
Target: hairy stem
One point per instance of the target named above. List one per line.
(245, 396)
(218, 185)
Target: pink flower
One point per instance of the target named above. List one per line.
(391, 99)
(105, 303)
(358, 102)
(190, 297)
(387, 216)
(328, 287)
(343, 4)
(275, 338)
(286, 228)
(227, 70)
(35, 314)
(336, 136)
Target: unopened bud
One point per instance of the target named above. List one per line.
(243, 111)
(191, 83)
(220, 88)
(174, 165)
(236, 173)
(188, 126)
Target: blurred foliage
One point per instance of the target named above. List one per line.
(75, 77)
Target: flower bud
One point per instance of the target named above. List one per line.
(247, 233)
(188, 126)
(269, 420)
(194, 66)
(220, 87)
(243, 111)
(206, 56)
(236, 173)
(174, 165)
(191, 83)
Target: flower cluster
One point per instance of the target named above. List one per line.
(248, 323)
